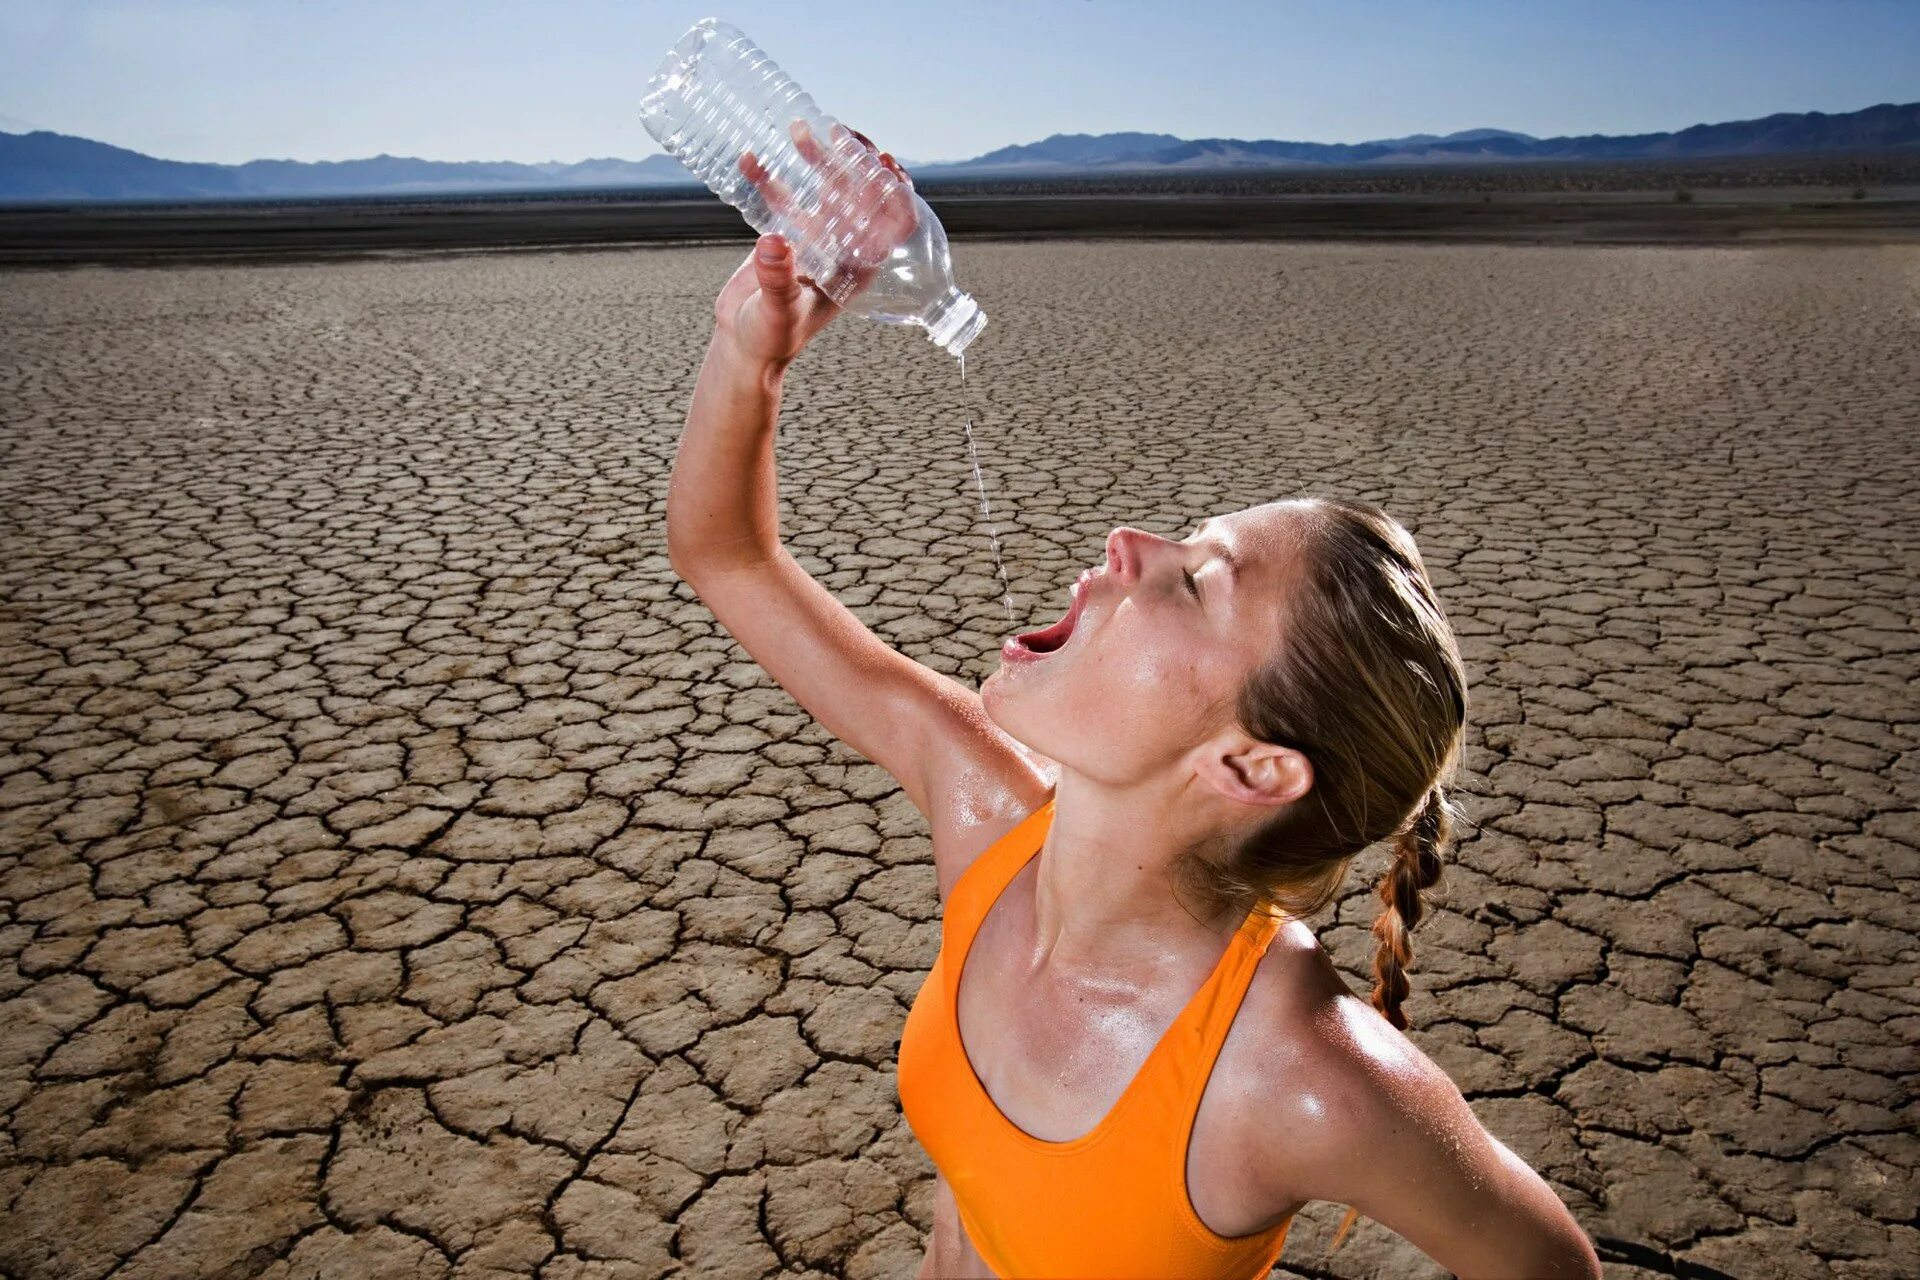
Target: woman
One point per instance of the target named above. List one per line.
(1152, 1064)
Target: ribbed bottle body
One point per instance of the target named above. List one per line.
(717, 96)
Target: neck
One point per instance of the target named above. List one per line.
(1105, 898)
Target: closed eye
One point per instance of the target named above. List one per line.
(1192, 586)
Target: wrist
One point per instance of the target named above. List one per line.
(745, 367)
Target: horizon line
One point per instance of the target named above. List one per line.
(641, 159)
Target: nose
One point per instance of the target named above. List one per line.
(1127, 549)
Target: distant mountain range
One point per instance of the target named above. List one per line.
(1065, 153)
(52, 166)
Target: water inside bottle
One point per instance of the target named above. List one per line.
(986, 512)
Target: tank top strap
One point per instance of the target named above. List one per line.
(987, 876)
(1211, 1016)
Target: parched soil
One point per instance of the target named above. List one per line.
(401, 874)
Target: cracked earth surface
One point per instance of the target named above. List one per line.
(400, 874)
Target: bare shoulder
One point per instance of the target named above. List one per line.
(980, 783)
(1312, 1068)
(1335, 1070)
(1302, 1045)
(1359, 1115)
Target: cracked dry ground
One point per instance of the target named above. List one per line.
(402, 874)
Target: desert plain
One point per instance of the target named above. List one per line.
(402, 874)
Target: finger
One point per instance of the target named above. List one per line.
(773, 267)
(886, 162)
(771, 189)
(888, 217)
(896, 202)
(847, 186)
(841, 134)
(807, 144)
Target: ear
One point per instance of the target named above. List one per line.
(1254, 772)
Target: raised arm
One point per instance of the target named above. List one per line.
(723, 537)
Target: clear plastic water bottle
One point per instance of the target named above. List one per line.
(717, 96)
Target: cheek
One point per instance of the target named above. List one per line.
(1171, 668)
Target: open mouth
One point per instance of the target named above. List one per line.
(1050, 639)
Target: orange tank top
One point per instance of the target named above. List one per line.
(1112, 1202)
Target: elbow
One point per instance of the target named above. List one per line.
(1578, 1259)
(1572, 1259)
(1567, 1263)
(677, 557)
(1556, 1250)
(685, 549)
(685, 545)
(685, 564)
(695, 558)
(1565, 1252)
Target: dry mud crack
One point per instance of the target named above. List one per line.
(400, 874)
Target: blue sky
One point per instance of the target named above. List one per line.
(229, 80)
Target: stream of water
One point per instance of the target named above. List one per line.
(986, 512)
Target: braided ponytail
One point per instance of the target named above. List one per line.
(1415, 868)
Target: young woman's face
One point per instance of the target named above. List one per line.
(1147, 662)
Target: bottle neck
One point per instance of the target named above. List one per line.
(953, 320)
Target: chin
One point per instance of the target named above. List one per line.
(1007, 708)
(993, 698)
(1029, 717)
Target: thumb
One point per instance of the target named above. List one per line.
(773, 267)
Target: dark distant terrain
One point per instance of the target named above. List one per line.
(1840, 171)
(1822, 198)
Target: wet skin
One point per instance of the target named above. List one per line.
(1086, 958)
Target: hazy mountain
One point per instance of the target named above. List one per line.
(1465, 135)
(1127, 152)
(1074, 150)
(1877, 128)
(52, 166)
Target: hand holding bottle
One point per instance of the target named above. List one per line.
(857, 230)
(768, 311)
(847, 193)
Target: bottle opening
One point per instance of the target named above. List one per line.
(955, 321)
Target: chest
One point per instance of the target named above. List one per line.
(1055, 1053)
(1055, 1056)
